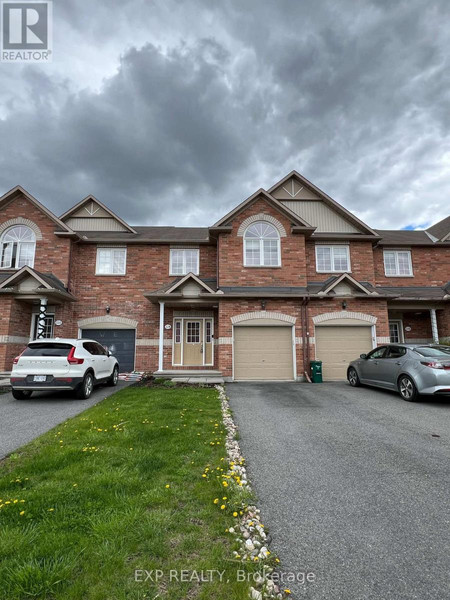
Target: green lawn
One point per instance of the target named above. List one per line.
(118, 488)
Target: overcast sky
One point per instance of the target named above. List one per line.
(172, 112)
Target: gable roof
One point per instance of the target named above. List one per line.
(91, 198)
(330, 285)
(298, 221)
(408, 237)
(327, 200)
(179, 283)
(19, 190)
(441, 229)
(45, 281)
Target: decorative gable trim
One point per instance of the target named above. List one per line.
(263, 314)
(185, 278)
(21, 221)
(19, 275)
(351, 280)
(261, 217)
(284, 210)
(91, 198)
(326, 199)
(344, 314)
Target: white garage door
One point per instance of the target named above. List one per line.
(337, 345)
(263, 353)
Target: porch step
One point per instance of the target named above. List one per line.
(211, 377)
(187, 373)
(4, 382)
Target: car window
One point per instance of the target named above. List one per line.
(46, 349)
(436, 351)
(395, 352)
(377, 353)
(91, 348)
(100, 349)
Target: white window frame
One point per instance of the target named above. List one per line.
(185, 272)
(15, 267)
(261, 248)
(111, 249)
(401, 335)
(34, 325)
(397, 268)
(332, 247)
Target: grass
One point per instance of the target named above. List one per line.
(128, 484)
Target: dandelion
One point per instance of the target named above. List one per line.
(51, 509)
(216, 500)
(22, 512)
(235, 514)
(75, 485)
(287, 591)
(223, 507)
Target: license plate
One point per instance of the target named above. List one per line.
(39, 378)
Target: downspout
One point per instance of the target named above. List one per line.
(305, 339)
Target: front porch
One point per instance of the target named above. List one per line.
(417, 324)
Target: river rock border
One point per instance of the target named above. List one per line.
(249, 532)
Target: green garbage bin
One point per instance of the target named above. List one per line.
(316, 371)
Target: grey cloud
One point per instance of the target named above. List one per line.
(354, 96)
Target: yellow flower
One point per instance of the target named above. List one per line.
(203, 475)
(75, 485)
(223, 507)
(277, 560)
(167, 486)
(51, 509)
(22, 512)
(225, 484)
(216, 500)
(287, 591)
(235, 514)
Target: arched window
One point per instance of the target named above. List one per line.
(17, 246)
(261, 246)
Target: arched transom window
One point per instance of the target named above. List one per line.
(261, 246)
(17, 246)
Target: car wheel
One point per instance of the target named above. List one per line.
(407, 389)
(86, 388)
(21, 394)
(114, 379)
(353, 378)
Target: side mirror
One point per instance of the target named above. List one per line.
(108, 353)
(363, 356)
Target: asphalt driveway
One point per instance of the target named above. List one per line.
(23, 420)
(353, 486)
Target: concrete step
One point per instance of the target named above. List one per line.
(187, 373)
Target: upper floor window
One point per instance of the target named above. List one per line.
(111, 261)
(184, 261)
(397, 263)
(261, 246)
(332, 259)
(17, 247)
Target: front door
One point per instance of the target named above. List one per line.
(193, 343)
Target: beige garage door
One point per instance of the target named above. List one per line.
(336, 346)
(263, 353)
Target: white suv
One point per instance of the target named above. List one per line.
(62, 364)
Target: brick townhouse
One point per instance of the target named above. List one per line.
(287, 276)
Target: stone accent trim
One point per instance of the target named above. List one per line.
(107, 319)
(263, 314)
(383, 339)
(193, 313)
(344, 314)
(225, 340)
(152, 342)
(14, 339)
(261, 217)
(21, 221)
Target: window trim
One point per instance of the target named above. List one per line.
(10, 267)
(332, 246)
(111, 248)
(261, 247)
(185, 272)
(401, 335)
(395, 252)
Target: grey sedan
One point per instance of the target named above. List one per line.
(409, 369)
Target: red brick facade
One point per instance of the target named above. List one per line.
(73, 261)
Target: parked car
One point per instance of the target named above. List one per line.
(63, 364)
(409, 369)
